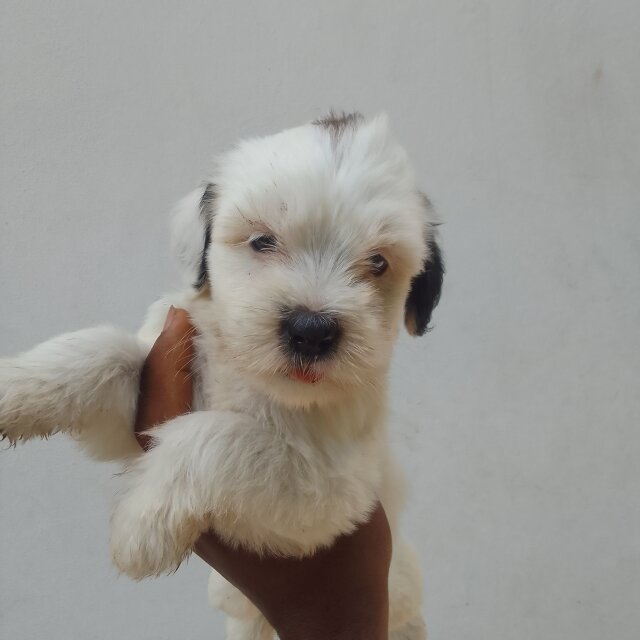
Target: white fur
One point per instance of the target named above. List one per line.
(271, 463)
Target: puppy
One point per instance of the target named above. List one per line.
(304, 253)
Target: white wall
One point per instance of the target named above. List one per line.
(519, 414)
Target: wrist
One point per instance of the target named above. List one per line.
(366, 632)
(359, 619)
(323, 631)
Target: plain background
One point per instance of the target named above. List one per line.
(517, 418)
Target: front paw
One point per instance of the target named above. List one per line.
(142, 542)
(24, 412)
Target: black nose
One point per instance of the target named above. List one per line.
(309, 333)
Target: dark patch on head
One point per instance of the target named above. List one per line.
(338, 123)
(425, 291)
(206, 215)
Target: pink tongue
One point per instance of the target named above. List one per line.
(307, 377)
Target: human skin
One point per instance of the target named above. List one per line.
(339, 593)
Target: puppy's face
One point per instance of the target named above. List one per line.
(316, 236)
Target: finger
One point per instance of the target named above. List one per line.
(166, 385)
(175, 343)
(178, 323)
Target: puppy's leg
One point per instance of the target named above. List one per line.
(245, 622)
(84, 383)
(256, 629)
(415, 629)
(225, 597)
(174, 491)
(405, 594)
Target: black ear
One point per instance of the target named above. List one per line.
(425, 291)
(192, 220)
(206, 215)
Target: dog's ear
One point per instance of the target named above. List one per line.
(424, 294)
(426, 287)
(192, 220)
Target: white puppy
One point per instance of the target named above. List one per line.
(304, 253)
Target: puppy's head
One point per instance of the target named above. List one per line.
(313, 244)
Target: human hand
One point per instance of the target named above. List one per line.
(166, 384)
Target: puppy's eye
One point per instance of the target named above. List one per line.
(378, 264)
(264, 243)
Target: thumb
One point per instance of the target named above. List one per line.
(175, 342)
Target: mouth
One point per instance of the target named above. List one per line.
(306, 375)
